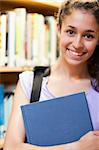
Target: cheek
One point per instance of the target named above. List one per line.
(64, 41)
(91, 49)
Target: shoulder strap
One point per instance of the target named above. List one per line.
(39, 72)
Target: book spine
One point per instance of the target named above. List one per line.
(11, 38)
(2, 111)
(3, 22)
(7, 108)
(52, 39)
(29, 31)
(20, 36)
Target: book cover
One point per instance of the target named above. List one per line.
(57, 121)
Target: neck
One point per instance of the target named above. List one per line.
(70, 71)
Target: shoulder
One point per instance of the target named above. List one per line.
(26, 81)
(26, 77)
(26, 74)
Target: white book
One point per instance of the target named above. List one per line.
(41, 40)
(29, 32)
(8, 108)
(11, 38)
(35, 45)
(38, 43)
(53, 39)
(3, 22)
(2, 132)
(20, 36)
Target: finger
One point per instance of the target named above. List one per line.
(96, 132)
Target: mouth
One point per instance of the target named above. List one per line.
(74, 53)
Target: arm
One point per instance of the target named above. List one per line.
(15, 136)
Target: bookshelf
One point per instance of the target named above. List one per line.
(9, 75)
(46, 7)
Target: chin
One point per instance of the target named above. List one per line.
(75, 63)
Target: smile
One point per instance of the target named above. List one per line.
(76, 53)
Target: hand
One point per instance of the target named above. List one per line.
(90, 141)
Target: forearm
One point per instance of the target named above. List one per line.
(24, 146)
(20, 146)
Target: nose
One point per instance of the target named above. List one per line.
(78, 43)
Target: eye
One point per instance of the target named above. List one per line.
(70, 32)
(88, 36)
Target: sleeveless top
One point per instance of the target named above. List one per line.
(26, 81)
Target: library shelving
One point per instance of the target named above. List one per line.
(47, 7)
(9, 75)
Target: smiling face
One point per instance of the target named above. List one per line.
(79, 36)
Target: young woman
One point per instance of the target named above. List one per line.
(76, 70)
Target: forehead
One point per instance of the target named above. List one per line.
(81, 18)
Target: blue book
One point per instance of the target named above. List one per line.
(57, 121)
(1, 104)
(2, 111)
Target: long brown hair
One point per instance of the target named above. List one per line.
(93, 7)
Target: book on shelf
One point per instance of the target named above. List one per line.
(6, 99)
(25, 38)
(11, 38)
(2, 111)
(8, 108)
(52, 49)
(38, 42)
(57, 121)
(20, 35)
(29, 35)
(3, 26)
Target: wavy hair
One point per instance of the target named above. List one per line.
(93, 7)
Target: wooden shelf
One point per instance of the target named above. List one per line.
(10, 75)
(14, 69)
(40, 6)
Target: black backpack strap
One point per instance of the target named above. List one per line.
(39, 73)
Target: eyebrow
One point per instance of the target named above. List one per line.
(89, 30)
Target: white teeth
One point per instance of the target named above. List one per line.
(75, 53)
